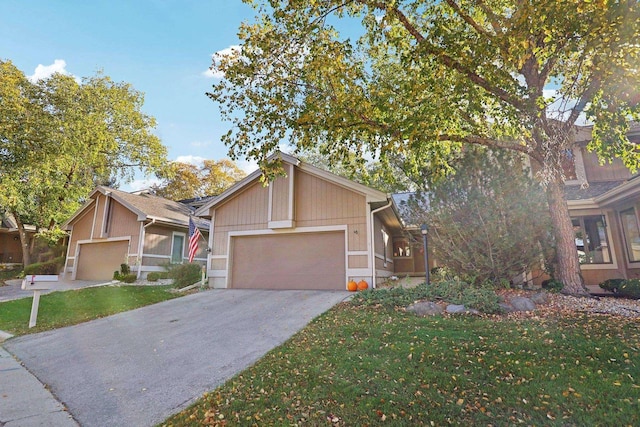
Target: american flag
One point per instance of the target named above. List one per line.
(194, 236)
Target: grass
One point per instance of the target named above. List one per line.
(370, 366)
(8, 274)
(59, 309)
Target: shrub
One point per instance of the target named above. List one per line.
(552, 285)
(612, 285)
(453, 291)
(128, 278)
(184, 274)
(630, 288)
(49, 267)
(125, 269)
(153, 276)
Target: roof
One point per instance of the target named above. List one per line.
(372, 194)
(148, 206)
(595, 189)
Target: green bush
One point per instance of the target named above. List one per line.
(49, 267)
(154, 276)
(185, 274)
(552, 285)
(611, 285)
(128, 278)
(125, 269)
(630, 288)
(453, 291)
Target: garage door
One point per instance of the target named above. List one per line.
(98, 261)
(289, 261)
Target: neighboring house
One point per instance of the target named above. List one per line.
(310, 229)
(10, 249)
(604, 204)
(142, 230)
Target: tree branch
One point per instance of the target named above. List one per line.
(440, 56)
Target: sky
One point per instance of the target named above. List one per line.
(163, 48)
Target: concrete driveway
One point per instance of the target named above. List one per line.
(139, 367)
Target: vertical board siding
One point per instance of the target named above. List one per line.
(608, 172)
(81, 229)
(319, 203)
(99, 216)
(280, 199)
(157, 241)
(246, 211)
(123, 223)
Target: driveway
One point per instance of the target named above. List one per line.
(139, 367)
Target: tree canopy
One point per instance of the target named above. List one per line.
(186, 181)
(60, 138)
(421, 78)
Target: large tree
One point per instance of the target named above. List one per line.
(186, 181)
(60, 137)
(421, 78)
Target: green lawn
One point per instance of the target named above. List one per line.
(59, 309)
(357, 366)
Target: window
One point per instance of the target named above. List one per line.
(401, 248)
(591, 239)
(631, 234)
(177, 248)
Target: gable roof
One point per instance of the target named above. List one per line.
(371, 194)
(147, 206)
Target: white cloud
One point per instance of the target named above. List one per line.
(192, 160)
(141, 184)
(46, 71)
(213, 71)
(248, 166)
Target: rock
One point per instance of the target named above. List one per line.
(507, 308)
(522, 304)
(456, 308)
(540, 298)
(425, 308)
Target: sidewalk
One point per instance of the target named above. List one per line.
(24, 401)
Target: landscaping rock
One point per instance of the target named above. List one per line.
(522, 304)
(460, 309)
(425, 308)
(507, 308)
(540, 298)
(456, 308)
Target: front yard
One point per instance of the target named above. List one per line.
(59, 309)
(371, 366)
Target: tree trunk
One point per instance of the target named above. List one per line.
(568, 265)
(24, 240)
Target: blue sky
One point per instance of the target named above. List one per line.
(162, 47)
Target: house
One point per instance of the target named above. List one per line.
(142, 230)
(309, 229)
(604, 205)
(10, 247)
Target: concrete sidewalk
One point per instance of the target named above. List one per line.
(24, 401)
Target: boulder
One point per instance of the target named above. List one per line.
(507, 308)
(522, 304)
(425, 308)
(540, 298)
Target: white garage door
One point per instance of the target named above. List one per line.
(98, 261)
(289, 261)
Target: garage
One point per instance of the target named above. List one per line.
(98, 261)
(289, 261)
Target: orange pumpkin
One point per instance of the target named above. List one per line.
(352, 286)
(362, 285)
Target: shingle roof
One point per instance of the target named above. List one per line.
(595, 189)
(156, 207)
